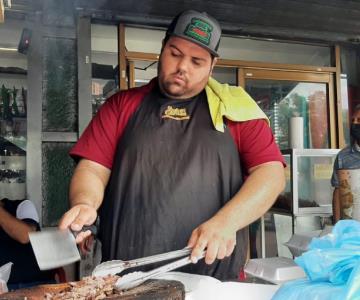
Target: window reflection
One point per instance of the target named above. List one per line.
(282, 100)
(274, 51)
(225, 75)
(144, 71)
(104, 58)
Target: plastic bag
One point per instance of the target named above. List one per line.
(332, 265)
(4, 276)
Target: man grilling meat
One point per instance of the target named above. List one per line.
(164, 164)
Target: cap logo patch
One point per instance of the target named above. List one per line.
(199, 30)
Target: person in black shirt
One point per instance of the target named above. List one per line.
(347, 159)
(17, 219)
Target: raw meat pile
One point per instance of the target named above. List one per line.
(89, 288)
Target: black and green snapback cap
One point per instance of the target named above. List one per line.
(197, 27)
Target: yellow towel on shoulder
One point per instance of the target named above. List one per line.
(231, 102)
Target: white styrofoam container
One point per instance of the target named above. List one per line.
(274, 269)
(200, 287)
(298, 243)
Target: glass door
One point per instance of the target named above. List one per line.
(286, 94)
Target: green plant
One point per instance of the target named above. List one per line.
(14, 105)
(5, 96)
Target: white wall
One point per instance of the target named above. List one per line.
(12, 59)
(143, 40)
(104, 38)
(10, 33)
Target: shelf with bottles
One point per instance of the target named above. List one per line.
(12, 177)
(13, 103)
(12, 171)
(13, 115)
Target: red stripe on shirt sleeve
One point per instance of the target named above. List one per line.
(255, 142)
(99, 141)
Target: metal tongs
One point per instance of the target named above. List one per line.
(134, 279)
(113, 267)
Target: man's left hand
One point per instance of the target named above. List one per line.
(216, 236)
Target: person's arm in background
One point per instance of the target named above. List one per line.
(255, 197)
(336, 205)
(87, 189)
(15, 228)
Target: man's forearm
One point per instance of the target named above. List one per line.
(218, 234)
(86, 195)
(85, 189)
(255, 197)
(16, 229)
(87, 185)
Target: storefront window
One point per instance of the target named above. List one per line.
(148, 41)
(274, 52)
(144, 71)
(104, 58)
(236, 48)
(225, 75)
(13, 111)
(283, 100)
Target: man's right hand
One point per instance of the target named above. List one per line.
(78, 216)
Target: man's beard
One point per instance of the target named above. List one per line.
(165, 86)
(167, 90)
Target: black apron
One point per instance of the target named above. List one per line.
(172, 172)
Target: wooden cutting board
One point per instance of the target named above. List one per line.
(150, 290)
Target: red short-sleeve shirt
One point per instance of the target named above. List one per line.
(254, 139)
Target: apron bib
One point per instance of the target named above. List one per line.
(172, 172)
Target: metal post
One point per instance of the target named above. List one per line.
(263, 249)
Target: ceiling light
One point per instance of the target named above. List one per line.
(8, 49)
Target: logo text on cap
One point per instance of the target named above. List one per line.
(199, 30)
